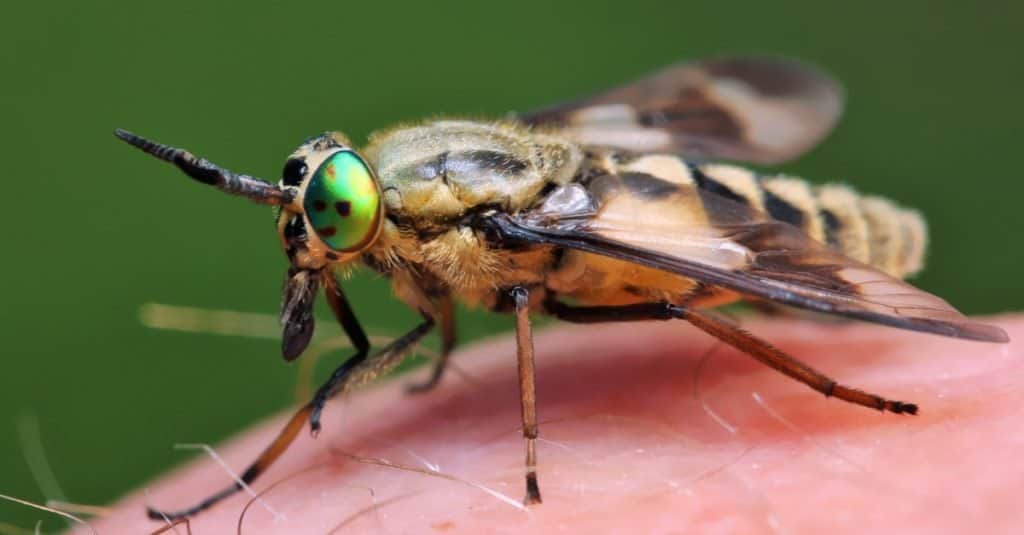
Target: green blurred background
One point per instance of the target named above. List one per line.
(96, 229)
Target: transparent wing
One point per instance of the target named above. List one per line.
(758, 109)
(695, 233)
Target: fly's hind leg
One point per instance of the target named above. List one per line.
(736, 337)
(446, 318)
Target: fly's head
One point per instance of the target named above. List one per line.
(336, 212)
(328, 209)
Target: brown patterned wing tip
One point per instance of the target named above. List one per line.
(756, 109)
(883, 299)
(700, 235)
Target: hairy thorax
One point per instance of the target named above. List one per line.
(434, 176)
(435, 173)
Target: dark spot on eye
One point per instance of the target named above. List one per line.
(294, 171)
(319, 205)
(331, 256)
(344, 208)
(327, 232)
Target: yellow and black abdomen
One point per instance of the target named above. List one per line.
(866, 228)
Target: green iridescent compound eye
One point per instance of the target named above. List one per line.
(342, 202)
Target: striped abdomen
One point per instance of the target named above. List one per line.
(870, 229)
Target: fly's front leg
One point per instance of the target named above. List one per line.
(446, 317)
(527, 388)
(355, 374)
(347, 319)
(736, 337)
(355, 371)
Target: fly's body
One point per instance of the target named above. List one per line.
(433, 189)
(610, 208)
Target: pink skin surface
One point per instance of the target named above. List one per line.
(643, 432)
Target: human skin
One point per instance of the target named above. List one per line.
(645, 431)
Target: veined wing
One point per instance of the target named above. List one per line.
(758, 109)
(683, 229)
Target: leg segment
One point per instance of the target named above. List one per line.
(527, 389)
(356, 374)
(736, 337)
(446, 317)
(347, 318)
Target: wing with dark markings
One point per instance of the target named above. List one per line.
(707, 237)
(760, 109)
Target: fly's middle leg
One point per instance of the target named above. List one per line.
(527, 388)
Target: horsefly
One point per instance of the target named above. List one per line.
(604, 209)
